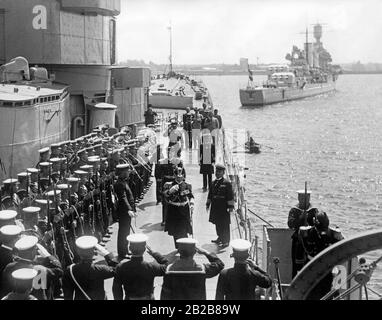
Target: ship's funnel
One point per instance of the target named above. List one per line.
(15, 70)
(101, 114)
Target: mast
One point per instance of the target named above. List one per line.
(170, 29)
(307, 47)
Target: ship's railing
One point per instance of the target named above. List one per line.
(236, 173)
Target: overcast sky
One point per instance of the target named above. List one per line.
(217, 31)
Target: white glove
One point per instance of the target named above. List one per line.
(101, 250)
(174, 188)
(42, 251)
(132, 214)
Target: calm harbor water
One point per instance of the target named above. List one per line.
(333, 141)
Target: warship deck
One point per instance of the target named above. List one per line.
(149, 222)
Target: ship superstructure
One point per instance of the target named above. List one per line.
(310, 73)
(75, 41)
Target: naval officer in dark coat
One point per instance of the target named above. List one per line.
(180, 202)
(125, 208)
(240, 282)
(185, 279)
(136, 277)
(221, 200)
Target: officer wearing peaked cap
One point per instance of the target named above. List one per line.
(185, 279)
(33, 255)
(22, 285)
(125, 208)
(221, 201)
(180, 201)
(85, 280)
(136, 276)
(300, 215)
(240, 281)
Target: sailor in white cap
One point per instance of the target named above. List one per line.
(221, 201)
(73, 183)
(82, 189)
(9, 197)
(44, 155)
(31, 218)
(9, 234)
(22, 282)
(240, 281)
(85, 280)
(125, 208)
(180, 201)
(185, 279)
(300, 215)
(134, 278)
(7, 217)
(33, 187)
(31, 254)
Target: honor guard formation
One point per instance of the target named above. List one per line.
(57, 217)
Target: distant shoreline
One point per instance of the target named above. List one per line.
(222, 73)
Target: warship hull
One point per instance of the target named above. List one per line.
(264, 96)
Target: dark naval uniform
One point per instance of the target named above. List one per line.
(178, 222)
(136, 276)
(125, 204)
(240, 282)
(49, 272)
(91, 278)
(207, 159)
(185, 279)
(221, 199)
(296, 219)
(315, 241)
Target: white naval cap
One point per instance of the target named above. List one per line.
(55, 160)
(137, 238)
(240, 245)
(62, 186)
(10, 181)
(44, 150)
(41, 201)
(81, 172)
(10, 230)
(86, 167)
(33, 170)
(7, 214)
(94, 159)
(24, 274)
(51, 193)
(123, 166)
(45, 164)
(86, 242)
(186, 243)
(23, 174)
(26, 243)
(32, 210)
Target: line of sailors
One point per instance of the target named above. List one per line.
(133, 279)
(69, 194)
